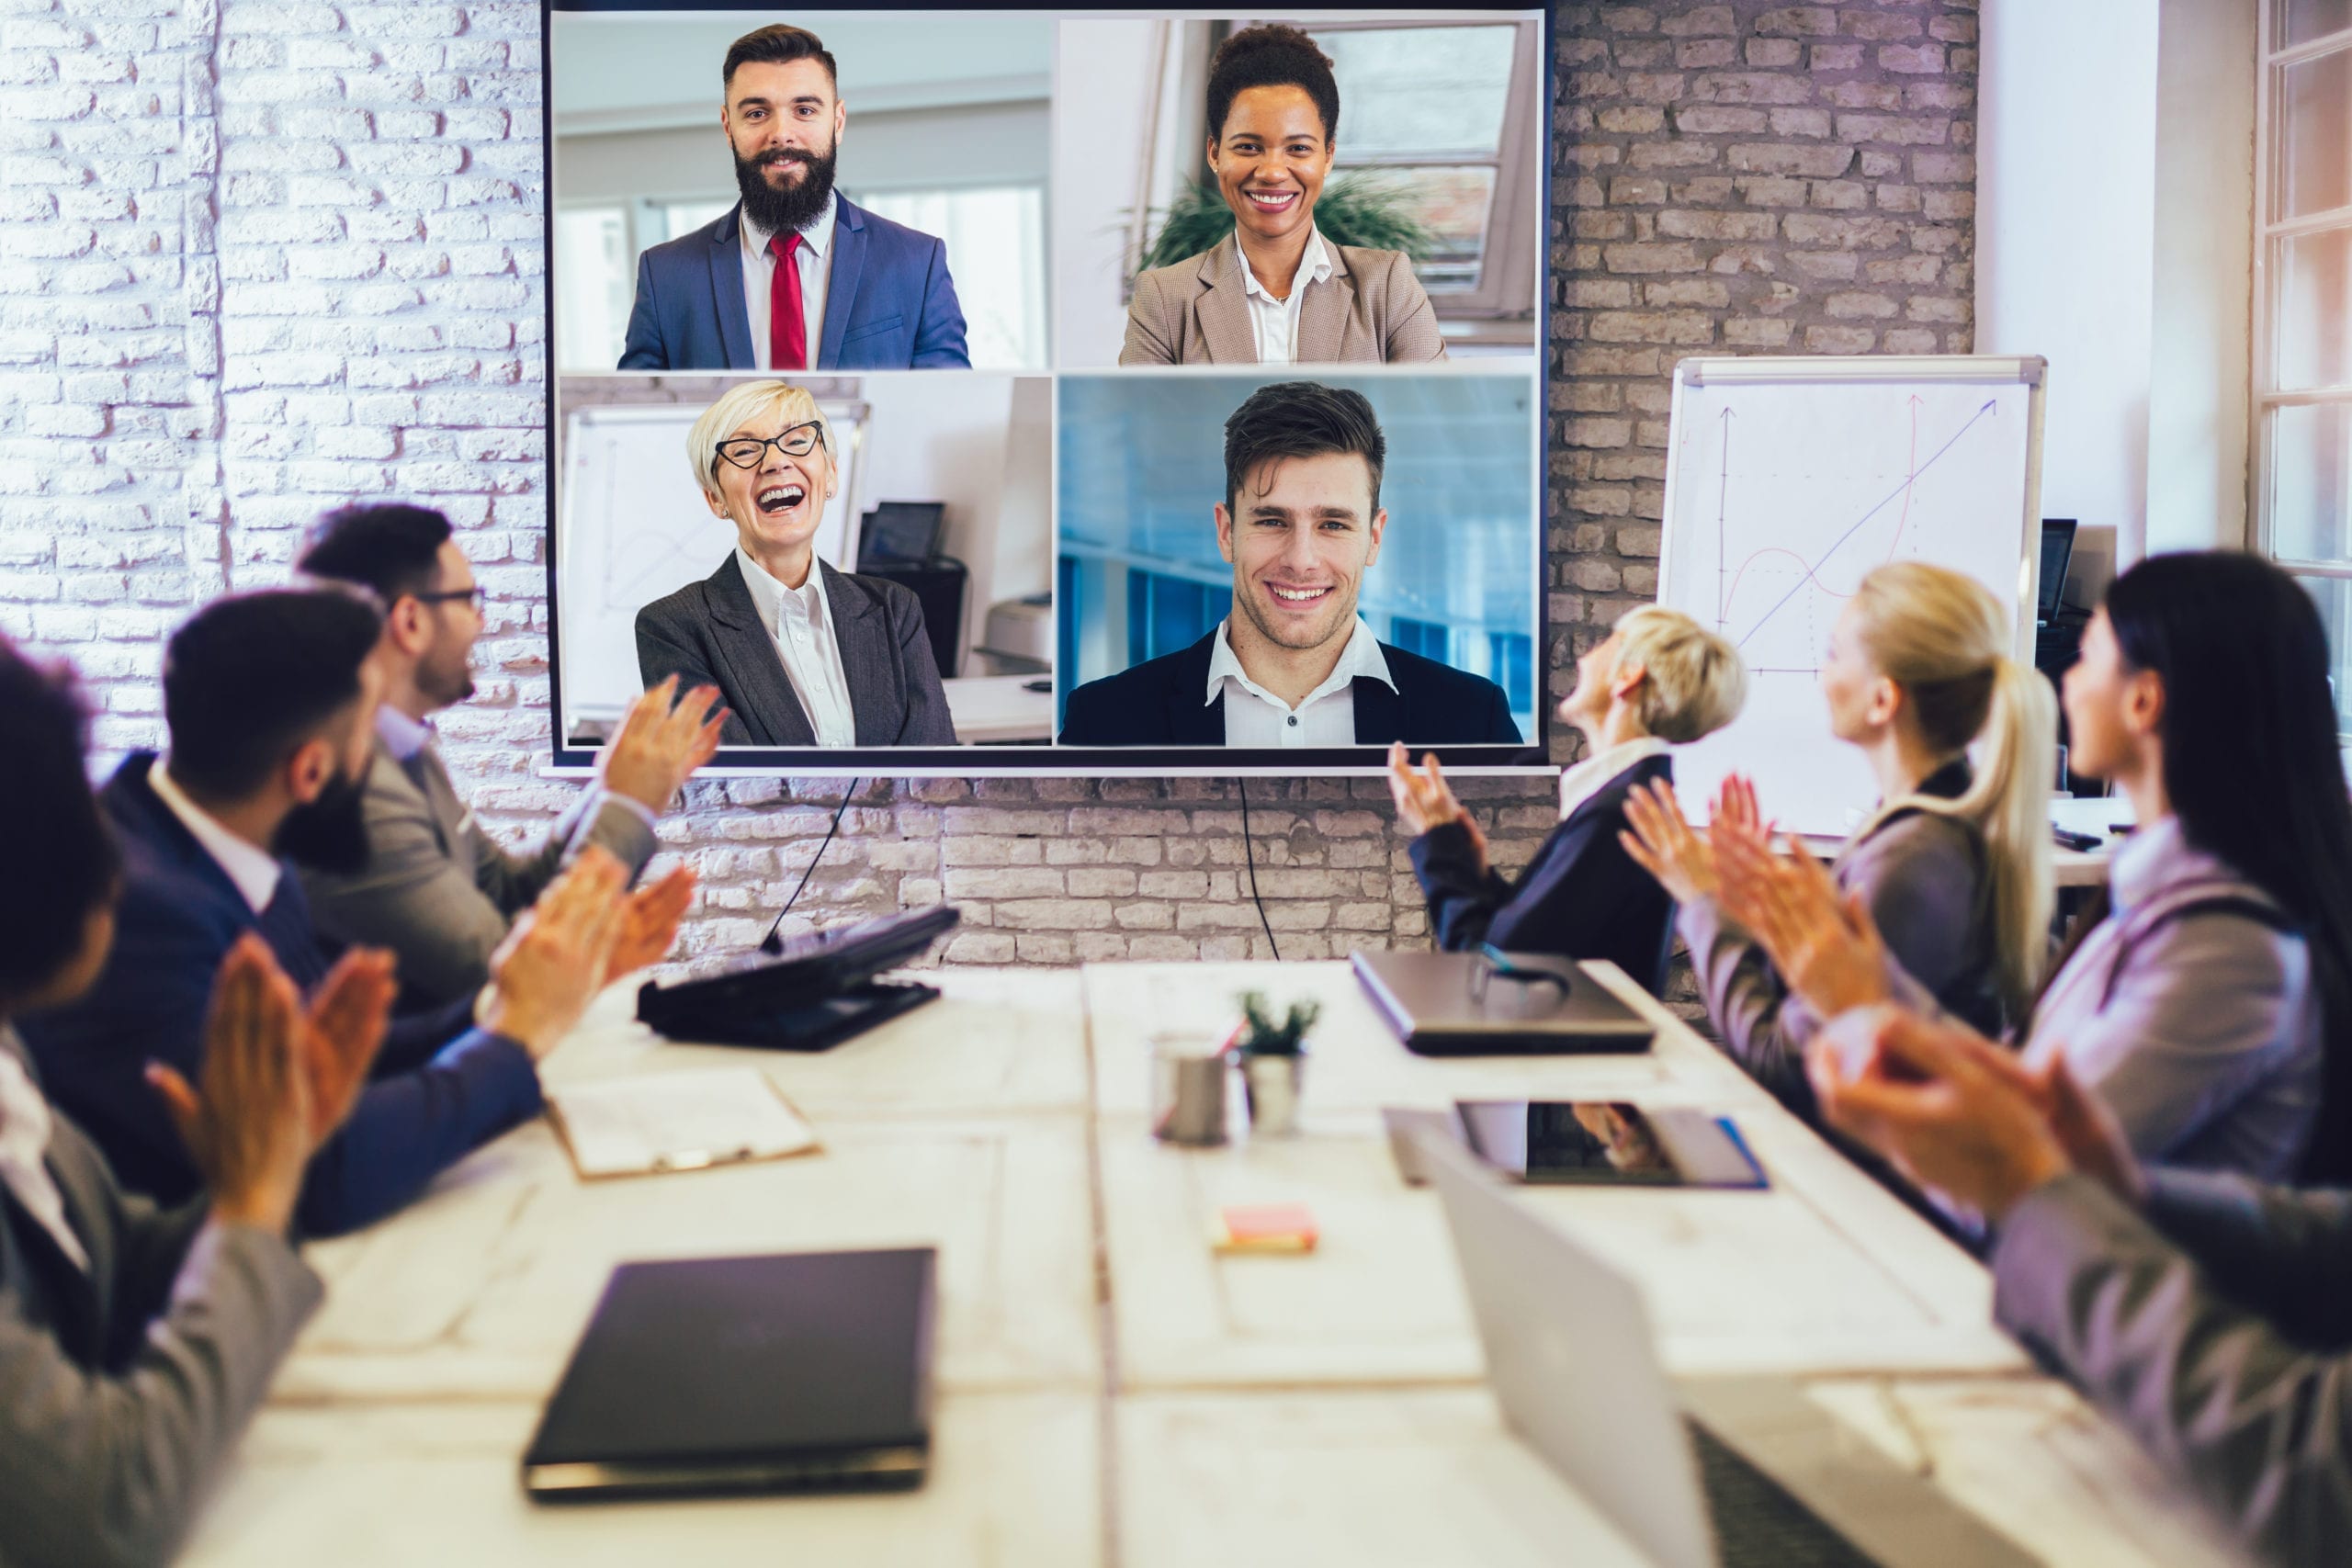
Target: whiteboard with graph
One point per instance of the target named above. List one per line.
(1786, 480)
(633, 526)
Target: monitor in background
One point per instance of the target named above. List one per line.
(900, 533)
(2057, 555)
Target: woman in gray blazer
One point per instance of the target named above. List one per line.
(1954, 865)
(802, 655)
(1274, 291)
(2198, 1009)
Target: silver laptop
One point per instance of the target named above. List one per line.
(1483, 1004)
(1758, 1475)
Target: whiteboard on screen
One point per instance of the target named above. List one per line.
(1786, 480)
(631, 525)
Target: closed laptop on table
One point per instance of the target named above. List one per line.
(801, 1372)
(1486, 1004)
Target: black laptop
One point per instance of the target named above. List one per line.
(1493, 1003)
(799, 1373)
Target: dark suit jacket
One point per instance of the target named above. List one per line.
(710, 631)
(889, 303)
(123, 1389)
(1157, 703)
(442, 1087)
(1581, 897)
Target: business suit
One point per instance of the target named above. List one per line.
(890, 302)
(124, 1387)
(1163, 702)
(2215, 1327)
(442, 1087)
(1581, 897)
(440, 892)
(1371, 311)
(710, 632)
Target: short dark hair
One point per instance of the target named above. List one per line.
(390, 548)
(63, 862)
(1272, 56)
(778, 44)
(1301, 419)
(248, 678)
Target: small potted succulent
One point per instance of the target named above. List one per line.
(1271, 1056)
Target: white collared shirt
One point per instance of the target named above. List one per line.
(253, 869)
(1255, 716)
(1590, 777)
(25, 1127)
(799, 621)
(1274, 322)
(813, 258)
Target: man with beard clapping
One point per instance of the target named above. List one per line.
(792, 278)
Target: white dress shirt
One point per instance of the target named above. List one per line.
(1590, 777)
(1274, 322)
(814, 260)
(25, 1125)
(1255, 716)
(800, 622)
(253, 869)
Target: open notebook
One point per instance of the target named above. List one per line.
(641, 1126)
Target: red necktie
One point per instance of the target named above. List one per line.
(788, 335)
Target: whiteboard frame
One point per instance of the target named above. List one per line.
(1987, 370)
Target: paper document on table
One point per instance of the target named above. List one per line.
(637, 1127)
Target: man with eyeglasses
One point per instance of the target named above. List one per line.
(802, 654)
(435, 888)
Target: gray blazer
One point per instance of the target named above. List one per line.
(1371, 311)
(710, 632)
(440, 892)
(1925, 878)
(123, 1391)
(2216, 1328)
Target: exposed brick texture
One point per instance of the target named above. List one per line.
(259, 258)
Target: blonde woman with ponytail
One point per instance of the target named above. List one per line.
(1953, 867)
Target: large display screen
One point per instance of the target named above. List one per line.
(970, 392)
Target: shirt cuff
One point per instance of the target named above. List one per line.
(645, 813)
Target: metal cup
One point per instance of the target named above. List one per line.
(1273, 1085)
(1187, 1090)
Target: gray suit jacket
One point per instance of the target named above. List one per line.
(2216, 1328)
(711, 632)
(440, 892)
(1371, 311)
(123, 1391)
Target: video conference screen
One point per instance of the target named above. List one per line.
(965, 391)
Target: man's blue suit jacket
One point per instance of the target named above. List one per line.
(441, 1087)
(889, 303)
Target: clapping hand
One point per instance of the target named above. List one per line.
(649, 923)
(1662, 843)
(555, 960)
(659, 746)
(1424, 800)
(1822, 943)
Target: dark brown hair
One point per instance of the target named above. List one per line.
(778, 44)
(63, 865)
(1301, 419)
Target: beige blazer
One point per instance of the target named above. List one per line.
(1371, 311)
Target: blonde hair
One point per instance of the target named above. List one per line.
(1943, 638)
(737, 406)
(1692, 681)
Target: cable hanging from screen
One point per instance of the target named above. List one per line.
(1250, 857)
(773, 942)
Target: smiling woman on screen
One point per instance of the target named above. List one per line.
(802, 654)
(1275, 292)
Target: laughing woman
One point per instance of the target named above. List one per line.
(1275, 292)
(803, 655)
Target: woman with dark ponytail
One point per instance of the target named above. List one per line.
(1275, 292)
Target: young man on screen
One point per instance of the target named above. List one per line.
(1294, 665)
(794, 276)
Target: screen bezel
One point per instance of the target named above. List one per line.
(1050, 760)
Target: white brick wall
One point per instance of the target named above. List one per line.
(256, 259)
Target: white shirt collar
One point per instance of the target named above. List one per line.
(1360, 657)
(253, 869)
(771, 596)
(1587, 778)
(25, 1125)
(1314, 266)
(817, 233)
(403, 736)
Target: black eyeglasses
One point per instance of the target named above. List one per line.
(749, 452)
(476, 596)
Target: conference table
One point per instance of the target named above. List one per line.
(1111, 1391)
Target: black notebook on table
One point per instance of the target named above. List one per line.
(798, 1373)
